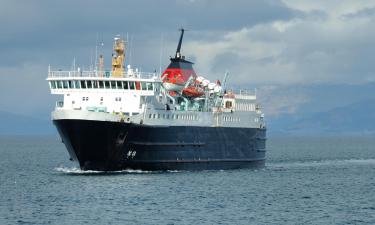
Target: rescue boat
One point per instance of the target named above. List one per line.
(192, 92)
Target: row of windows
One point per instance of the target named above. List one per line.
(192, 117)
(245, 107)
(117, 99)
(173, 116)
(231, 119)
(236, 119)
(88, 84)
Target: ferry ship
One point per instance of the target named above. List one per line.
(123, 118)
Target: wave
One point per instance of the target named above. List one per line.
(78, 171)
(320, 163)
(269, 165)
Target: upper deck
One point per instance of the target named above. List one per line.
(61, 82)
(100, 75)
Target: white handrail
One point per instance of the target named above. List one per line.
(95, 73)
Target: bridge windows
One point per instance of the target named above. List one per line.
(131, 85)
(150, 86)
(95, 84)
(89, 84)
(65, 84)
(59, 84)
(107, 85)
(83, 84)
(53, 84)
(71, 85)
(138, 85)
(77, 84)
(113, 84)
(125, 85)
(101, 84)
(144, 86)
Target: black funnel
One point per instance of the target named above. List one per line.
(178, 51)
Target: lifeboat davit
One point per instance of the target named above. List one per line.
(178, 72)
(192, 92)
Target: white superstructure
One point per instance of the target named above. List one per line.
(101, 92)
(125, 94)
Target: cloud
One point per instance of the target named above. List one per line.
(261, 42)
(24, 91)
(324, 47)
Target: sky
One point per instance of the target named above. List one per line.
(277, 46)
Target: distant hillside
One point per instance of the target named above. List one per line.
(357, 118)
(13, 124)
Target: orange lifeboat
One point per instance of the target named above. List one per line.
(192, 92)
(173, 93)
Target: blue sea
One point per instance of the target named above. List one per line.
(328, 180)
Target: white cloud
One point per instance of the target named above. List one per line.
(25, 90)
(334, 8)
(286, 42)
(312, 48)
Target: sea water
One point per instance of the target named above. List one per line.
(313, 180)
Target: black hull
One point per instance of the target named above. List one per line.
(108, 146)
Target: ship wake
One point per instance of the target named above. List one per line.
(320, 163)
(78, 171)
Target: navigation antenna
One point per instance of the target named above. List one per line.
(161, 51)
(96, 52)
(130, 49)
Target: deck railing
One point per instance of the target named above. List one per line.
(245, 94)
(95, 73)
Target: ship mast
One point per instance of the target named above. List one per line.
(178, 51)
(118, 58)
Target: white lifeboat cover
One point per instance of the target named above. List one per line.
(200, 79)
(211, 86)
(205, 83)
